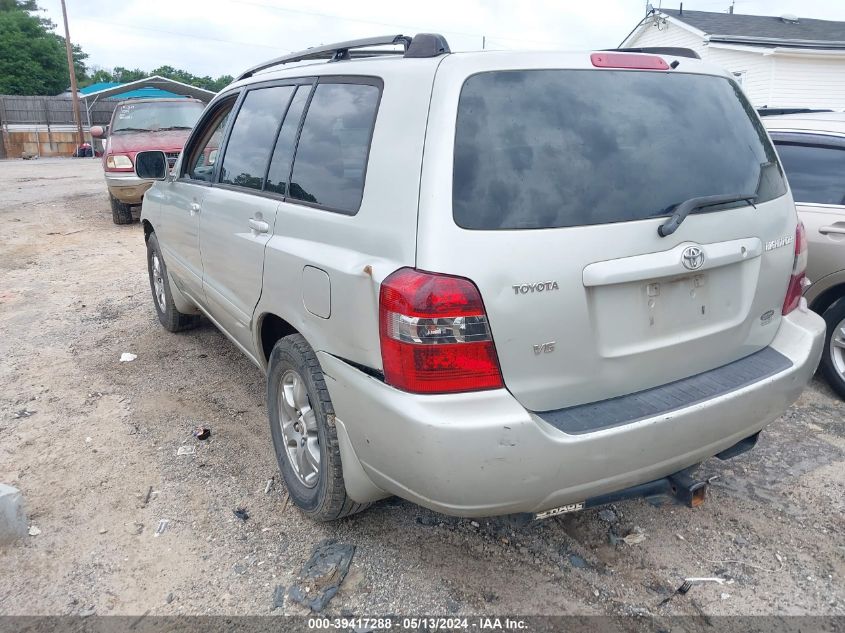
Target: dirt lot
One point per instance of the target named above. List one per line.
(85, 437)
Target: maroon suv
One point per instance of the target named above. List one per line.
(138, 125)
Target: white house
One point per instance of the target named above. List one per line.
(781, 62)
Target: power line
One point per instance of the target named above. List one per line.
(342, 17)
(387, 24)
(197, 37)
(479, 36)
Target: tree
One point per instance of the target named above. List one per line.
(32, 58)
(100, 75)
(125, 75)
(187, 78)
(221, 82)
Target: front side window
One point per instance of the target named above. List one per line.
(331, 157)
(201, 155)
(558, 148)
(253, 135)
(815, 173)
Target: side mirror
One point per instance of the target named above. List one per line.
(151, 165)
(98, 131)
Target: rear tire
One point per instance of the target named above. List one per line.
(833, 356)
(298, 400)
(168, 315)
(120, 213)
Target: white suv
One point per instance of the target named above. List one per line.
(812, 148)
(492, 282)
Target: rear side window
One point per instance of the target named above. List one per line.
(253, 133)
(557, 148)
(816, 174)
(331, 157)
(277, 176)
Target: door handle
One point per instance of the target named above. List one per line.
(195, 208)
(259, 226)
(839, 230)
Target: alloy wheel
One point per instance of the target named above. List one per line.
(298, 424)
(837, 348)
(158, 283)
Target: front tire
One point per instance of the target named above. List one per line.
(833, 357)
(302, 425)
(120, 213)
(168, 315)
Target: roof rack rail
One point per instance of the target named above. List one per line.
(422, 45)
(661, 50)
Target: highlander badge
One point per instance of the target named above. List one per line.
(781, 241)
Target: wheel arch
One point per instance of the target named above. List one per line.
(361, 491)
(828, 297)
(270, 328)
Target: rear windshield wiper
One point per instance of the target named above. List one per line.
(693, 204)
(173, 127)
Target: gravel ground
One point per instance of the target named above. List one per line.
(86, 437)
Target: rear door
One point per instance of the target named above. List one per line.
(815, 167)
(239, 212)
(546, 187)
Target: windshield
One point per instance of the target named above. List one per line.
(557, 148)
(152, 116)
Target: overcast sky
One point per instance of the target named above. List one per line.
(217, 37)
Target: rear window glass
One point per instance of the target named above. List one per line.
(816, 174)
(557, 148)
(331, 158)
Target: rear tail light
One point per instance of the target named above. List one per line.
(799, 267)
(434, 334)
(637, 61)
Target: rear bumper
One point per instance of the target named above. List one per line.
(127, 187)
(482, 453)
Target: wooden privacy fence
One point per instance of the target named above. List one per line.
(44, 126)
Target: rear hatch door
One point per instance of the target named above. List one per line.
(545, 181)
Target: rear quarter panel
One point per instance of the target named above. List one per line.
(357, 252)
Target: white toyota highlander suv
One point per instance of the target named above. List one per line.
(490, 282)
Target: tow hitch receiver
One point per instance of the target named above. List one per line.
(680, 487)
(691, 492)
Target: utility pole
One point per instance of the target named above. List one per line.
(483, 42)
(74, 91)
